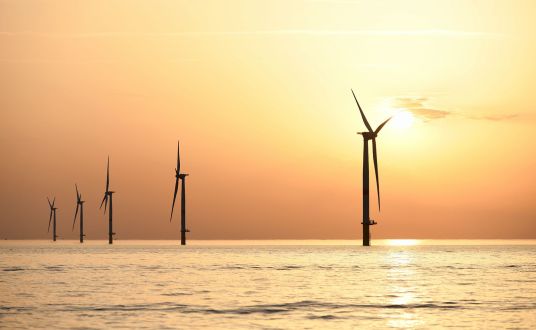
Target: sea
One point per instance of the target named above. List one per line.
(280, 284)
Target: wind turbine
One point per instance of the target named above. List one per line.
(182, 176)
(108, 195)
(52, 215)
(369, 135)
(79, 204)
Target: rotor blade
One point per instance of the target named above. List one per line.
(381, 126)
(53, 201)
(75, 214)
(178, 158)
(375, 158)
(174, 197)
(49, 220)
(49, 203)
(362, 113)
(108, 174)
(78, 196)
(105, 199)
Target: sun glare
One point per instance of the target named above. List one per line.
(402, 242)
(403, 119)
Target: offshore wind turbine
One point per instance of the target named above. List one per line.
(108, 195)
(182, 177)
(52, 216)
(369, 135)
(79, 205)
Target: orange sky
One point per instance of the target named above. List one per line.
(259, 94)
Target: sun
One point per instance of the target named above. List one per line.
(403, 119)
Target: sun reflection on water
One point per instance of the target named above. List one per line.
(402, 242)
(402, 289)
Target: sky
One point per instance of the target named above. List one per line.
(258, 92)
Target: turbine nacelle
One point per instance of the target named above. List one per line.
(183, 175)
(368, 135)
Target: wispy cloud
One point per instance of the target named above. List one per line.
(495, 117)
(419, 108)
(275, 32)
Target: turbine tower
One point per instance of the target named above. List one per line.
(367, 136)
(79, 205)
(182, 177)
(52, 216)
(108, 195)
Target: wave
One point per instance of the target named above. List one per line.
(303, 306)
(14, 269)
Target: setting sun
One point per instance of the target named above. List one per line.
(403, 120)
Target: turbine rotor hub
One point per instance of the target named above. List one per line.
(368, 135)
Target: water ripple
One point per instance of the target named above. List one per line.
(305, 305)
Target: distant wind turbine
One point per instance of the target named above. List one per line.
(108, 195)
(79, 205)
(182, 176)
(52, 216)
(368, 135)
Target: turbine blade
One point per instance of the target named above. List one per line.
(78, 196)
(53, 201)
(174, 197)
(49, 203)
(375, 157)
(103, 200)
(49, 220)
(178, 158)
(108, 174)
(75, 214)
(381, 126)
(362, 113)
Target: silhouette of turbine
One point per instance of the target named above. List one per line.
(369, 135)
(108, 195)
(182, 177)
(52, 216)
(79, 205)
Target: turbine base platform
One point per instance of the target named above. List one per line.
(371, 223)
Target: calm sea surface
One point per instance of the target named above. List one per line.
(268, 284)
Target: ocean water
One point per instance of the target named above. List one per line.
(268, 284)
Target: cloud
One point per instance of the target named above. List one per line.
(418, 107)
(495, 117)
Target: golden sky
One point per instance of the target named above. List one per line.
(258, 92)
